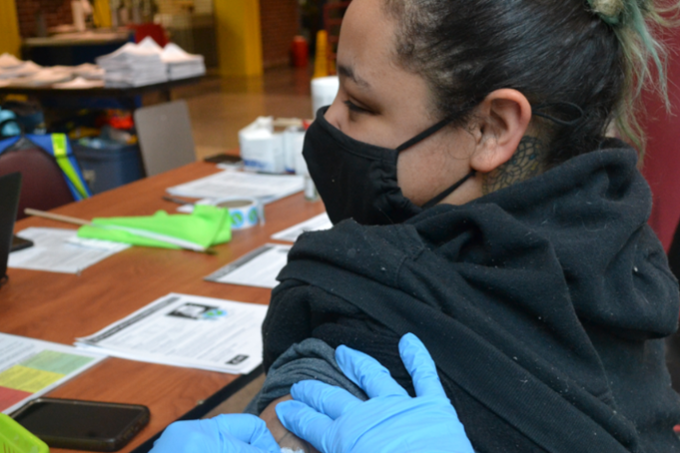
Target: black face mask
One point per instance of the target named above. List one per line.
(357, 180)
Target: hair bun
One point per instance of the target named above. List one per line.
(609, 10)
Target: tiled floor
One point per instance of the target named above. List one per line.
(220, 107)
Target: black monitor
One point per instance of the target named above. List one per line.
(10, 186)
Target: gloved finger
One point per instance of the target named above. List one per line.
(367, 373)
(327, 399)
(168, 440)
(420, 366)
(189, 436)
(249, 429)
(265, 441)
(304, 422)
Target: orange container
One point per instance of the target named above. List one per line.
(299, 52)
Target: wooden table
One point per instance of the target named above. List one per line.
(74, 48)
(61, 307)
(127, 97)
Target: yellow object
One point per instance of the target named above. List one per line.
(101, 14)
(15, 438)
(10, 41)
(15, 97)
(28, 379)
(84, 131)
(239, 38)
(321, 55)
(60, 150)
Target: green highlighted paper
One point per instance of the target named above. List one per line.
(57, 362)
(30, 368)
(204, 227)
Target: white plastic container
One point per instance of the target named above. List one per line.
(261, 147)
(293, 140)
(324, 90)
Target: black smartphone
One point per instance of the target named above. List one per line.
(20, 244)
(82, 425)
(220, 158)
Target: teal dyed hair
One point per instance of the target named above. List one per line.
(633, 22)
(595, 54)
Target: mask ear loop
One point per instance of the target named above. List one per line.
(423, 135)
(575, 109)
(448, 191)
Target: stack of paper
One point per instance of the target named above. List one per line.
(60, 250)
(63, 69)
(150, 44)
(45, 76)
(9, 61)
(26, 73)
(257, 268)
(89, 71)
(23, 69)
(318, 223)
(187, 331)
(180, 64)
(79, 83)
(9, 65)
(227, 183)
(132, 66)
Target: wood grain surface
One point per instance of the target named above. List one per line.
(60, 307)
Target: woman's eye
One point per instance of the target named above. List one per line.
(355, 108)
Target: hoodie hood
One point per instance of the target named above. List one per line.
(534, 300)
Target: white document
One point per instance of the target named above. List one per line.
(60, 250)
(30, 368)
(187, 331)
(258, 268)
(317, 223)
(79, 83)
(240, 184)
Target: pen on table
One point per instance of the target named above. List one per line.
(176, 200)
(161, 237)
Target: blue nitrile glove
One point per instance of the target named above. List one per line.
(226, 433)
(334, 421)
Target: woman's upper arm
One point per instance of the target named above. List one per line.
(283, 437)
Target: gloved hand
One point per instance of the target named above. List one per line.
(334, 421)
(226, 433)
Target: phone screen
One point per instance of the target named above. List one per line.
(81, 420)
(20, 243)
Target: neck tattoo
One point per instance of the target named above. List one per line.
(524, 164)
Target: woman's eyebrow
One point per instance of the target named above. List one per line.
(347, 71)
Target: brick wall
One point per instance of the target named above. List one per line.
(179, 6)
(280, 23)
(57, 12)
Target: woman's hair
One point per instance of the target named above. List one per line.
(581, 62)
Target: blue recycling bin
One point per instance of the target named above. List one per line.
(107, 164)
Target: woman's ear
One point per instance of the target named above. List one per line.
(502, 120)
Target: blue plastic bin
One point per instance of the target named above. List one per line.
(107, 164)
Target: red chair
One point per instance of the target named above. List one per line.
(43, 185)
(157, 32)
(662, 160)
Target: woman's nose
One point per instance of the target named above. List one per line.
(333, 112)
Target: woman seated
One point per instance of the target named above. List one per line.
(478, 204)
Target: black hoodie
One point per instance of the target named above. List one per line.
(543, 305)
